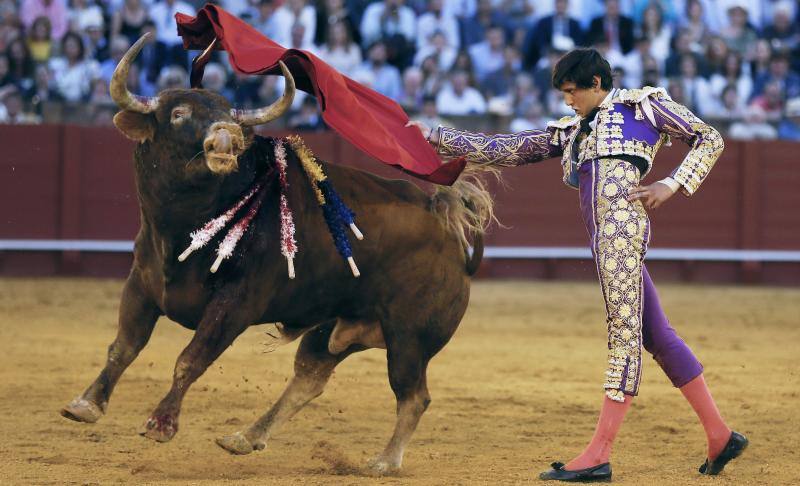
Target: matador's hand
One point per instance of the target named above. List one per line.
(427, 131)
(652, 196)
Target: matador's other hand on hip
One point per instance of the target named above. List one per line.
(652, 196)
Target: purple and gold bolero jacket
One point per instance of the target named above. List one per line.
(633, 122)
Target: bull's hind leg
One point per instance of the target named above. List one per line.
(320, 350)
(217, 330)
(137, 317)
(407, 377)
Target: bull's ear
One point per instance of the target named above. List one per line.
(136, 126)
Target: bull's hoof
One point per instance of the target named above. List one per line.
(160, 428)
(239, 444)
(82, 410)
(383, 467)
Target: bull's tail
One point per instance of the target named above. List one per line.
(466, 209)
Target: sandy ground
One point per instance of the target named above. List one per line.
(517, 388)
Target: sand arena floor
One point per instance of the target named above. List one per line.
(517, 388)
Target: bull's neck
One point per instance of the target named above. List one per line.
(173, 205)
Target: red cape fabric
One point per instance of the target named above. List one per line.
(367, 119)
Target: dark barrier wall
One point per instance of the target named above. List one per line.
(66, 182)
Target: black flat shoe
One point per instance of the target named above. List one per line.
(600, 473)
(733, 449)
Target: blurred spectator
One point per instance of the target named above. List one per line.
(634, 64)
(734, 75)
(487, 56)
(385, 77)
(172, 77)
(308, 119)
(789, 128)
(759, 66)
(20, 64)
(39, 40)
(95, 40)
(245, 90)
(162, 13)
(439, 49)
(524, 92)
(153, 56)
(411, 93)
(612, 28)
(464, 63)
(119, 46)
(262, 17)
(436, 20)
(681, 46)
(5, 71)
(753, 127)
(675, 91)
(657, 32)
(695, 87)
(215, 78)
(474, 27)
(771, 100)
(298, 38)
(730, 108)
(82, 14)
(42, 91)
(668, 9)
(533, 118)
(788, 81)
(393, 23)
(739, 35)
(716, 53)
(782, 33)
(432, 75)
(99, 93)
(72, 71)
(102, 115)
(330, 13)
(14, 108)
(429, 115)
(557, 29)
(501, 81)
(129, 21)
(459, 98)
(54, 10)
(291, 13)
(340, 51)
(695, 26)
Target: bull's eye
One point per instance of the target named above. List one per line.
(179, 114)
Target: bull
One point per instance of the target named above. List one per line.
(195, 156)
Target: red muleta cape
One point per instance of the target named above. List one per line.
(367, 119)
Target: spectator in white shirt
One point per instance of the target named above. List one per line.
(487, 56)
(291, 13)
(340, 51)
(436, 20)
(386, 19)
(162, 14)
(458, 98)
(73, 73)
(385, 77)
(438, 48)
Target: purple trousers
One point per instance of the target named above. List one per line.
(619, 232)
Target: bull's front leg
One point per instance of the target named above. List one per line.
(217, 330)
(137, 318)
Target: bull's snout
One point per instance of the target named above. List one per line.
(223, 145)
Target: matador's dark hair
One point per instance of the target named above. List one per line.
(580, 66)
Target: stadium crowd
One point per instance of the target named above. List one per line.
(736, 63)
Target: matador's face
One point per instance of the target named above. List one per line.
(582, 100)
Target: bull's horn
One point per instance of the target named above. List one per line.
(259, 116)
(119, 86)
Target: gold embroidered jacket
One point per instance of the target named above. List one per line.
(633, 122)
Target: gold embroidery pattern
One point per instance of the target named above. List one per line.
(503, 149)
(620, 242)
(706, 143)
(607, 140)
